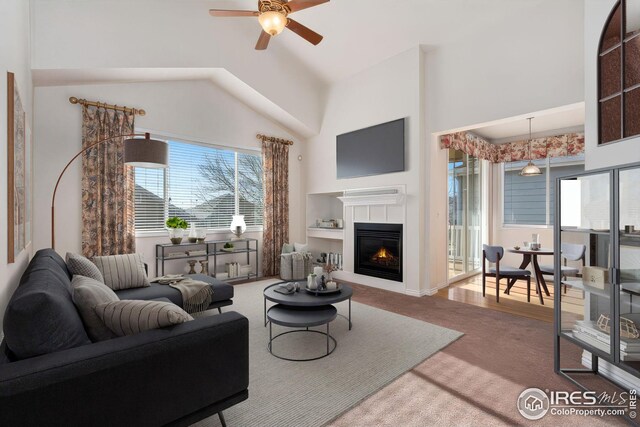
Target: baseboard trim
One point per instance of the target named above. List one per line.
(425, 292)
(414, 293)
(608, 370)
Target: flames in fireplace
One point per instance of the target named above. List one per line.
(384, 257)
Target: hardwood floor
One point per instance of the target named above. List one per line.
(469, 291)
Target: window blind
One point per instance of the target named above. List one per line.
(525, 197)
(149, 199)
(204, 185)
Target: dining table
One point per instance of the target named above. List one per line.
(530, 256)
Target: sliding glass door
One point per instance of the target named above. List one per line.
(465, 182)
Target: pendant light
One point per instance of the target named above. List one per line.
(530, 169)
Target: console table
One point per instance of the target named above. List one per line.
(213, 249)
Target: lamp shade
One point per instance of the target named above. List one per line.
(238, 221)
(146, 153)
(272, 22)
(530, 170)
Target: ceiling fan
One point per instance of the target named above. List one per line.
(273, 16)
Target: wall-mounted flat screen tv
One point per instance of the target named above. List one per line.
(372, 151)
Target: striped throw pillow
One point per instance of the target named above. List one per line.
(81, 266)
(122, 271)
(129, 317)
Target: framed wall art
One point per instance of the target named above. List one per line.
(18, 173)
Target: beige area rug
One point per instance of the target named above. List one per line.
(380, 347)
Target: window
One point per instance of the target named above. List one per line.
(530, 200)
(203, 184)
(619, 73)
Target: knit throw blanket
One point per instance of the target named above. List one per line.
(196, 295)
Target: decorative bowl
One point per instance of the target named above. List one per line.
(517, 248)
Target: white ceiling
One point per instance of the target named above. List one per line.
(361, 33)
(544, 123)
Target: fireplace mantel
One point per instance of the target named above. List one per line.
(374, 196)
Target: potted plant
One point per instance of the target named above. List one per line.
(228, 247)
(176, 226)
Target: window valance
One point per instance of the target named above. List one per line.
(569, 144)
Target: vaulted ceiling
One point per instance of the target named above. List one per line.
(81, 41)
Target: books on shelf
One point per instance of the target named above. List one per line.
(199, 252)
(588, 332)
(174, 254)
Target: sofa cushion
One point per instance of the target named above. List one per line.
(87, 294)
(122, 271)
(130, 317)
(81, 266)
(56, 258)
(221, 291)
(41, 317)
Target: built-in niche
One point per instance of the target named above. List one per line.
(619, 74)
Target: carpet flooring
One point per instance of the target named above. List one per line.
(476, 380)
(381, 346)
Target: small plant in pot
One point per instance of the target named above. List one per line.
(176, 226)
(228, 247)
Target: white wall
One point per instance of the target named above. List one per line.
(385, 92)
(94, 34)
(14, 57)
(532, 62)
(192, 110)
(512, 68)
(628, 151)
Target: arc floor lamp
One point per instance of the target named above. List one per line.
(139, 152)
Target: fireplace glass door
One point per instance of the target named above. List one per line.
(378, 250)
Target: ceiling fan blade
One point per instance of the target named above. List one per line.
(232, 13)
(296, 5)
(263, 41)
(304, 32)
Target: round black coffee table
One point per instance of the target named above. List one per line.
(301, 317)
(303, 298)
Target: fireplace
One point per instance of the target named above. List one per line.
(378, 250)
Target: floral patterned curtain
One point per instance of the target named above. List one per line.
(569, 144)
(275, 165)
(108, 223)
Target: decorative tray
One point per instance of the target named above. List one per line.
(324, 291)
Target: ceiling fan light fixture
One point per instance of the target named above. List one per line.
(272, 22)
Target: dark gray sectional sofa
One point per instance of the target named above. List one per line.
(170, 376)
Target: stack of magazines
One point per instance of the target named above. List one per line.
(588, 332)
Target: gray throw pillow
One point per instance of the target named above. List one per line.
(300, 247)
(122, 271)
(82, 266)
(87, 294)
(287, 248)
(129, 317)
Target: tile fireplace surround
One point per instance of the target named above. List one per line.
(377, 205)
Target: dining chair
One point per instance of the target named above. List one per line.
(570, 252)
(494, 254)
